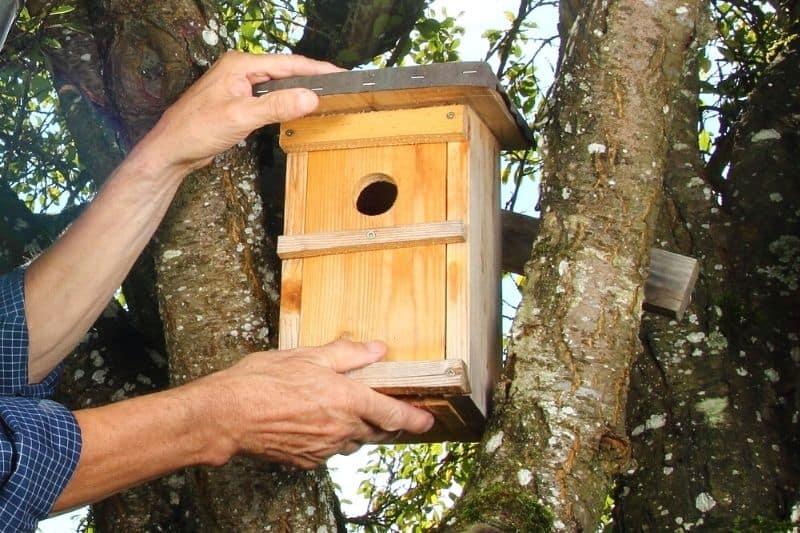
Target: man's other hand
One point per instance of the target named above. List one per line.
(296, 407)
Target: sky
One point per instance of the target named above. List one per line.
(476, 16)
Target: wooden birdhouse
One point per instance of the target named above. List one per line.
(392, 230)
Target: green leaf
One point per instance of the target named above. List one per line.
(62, 10)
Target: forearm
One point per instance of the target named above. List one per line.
(67, 287)
(131, 442)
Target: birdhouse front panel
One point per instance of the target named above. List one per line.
(392, 231)
(393, 294)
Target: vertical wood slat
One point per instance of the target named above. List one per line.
(473, 274)
(292, 269)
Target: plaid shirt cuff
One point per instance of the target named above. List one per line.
(14, 342)
(40, 444)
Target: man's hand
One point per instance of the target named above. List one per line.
(219, 110)
(67, 287)
(296, 407)
(293, 407)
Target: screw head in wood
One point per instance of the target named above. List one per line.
(289, 133)
(371, 234)
(451, 115)
(450, 372)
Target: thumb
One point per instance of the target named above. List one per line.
(343, 355)
(285, 105)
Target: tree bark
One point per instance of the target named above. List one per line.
(732, 369)
(352, 32)
(558, 437)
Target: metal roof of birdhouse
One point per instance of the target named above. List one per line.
(471, 83)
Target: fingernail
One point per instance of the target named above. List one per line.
(375, 347)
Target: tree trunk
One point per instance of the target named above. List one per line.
(558, 437)
(732, 368)
(352, 32)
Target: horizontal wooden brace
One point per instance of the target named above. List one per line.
(417, 378)
(338, 242)
(669, 284)
(427, 125)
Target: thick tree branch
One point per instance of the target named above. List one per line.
(353, 32)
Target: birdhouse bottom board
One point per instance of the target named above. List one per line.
(392, 233)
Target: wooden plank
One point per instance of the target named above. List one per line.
(668, 287)
(338, 242)
(457, 340)
(291, 292)
(484, 262)
(519, 232)
(473, 270)
(394, 295)
(670, 282)
(472, 83)
(415, 377)
(455, 420)
(376, 128)
(292, 270)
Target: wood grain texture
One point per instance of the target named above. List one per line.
(457, 419)
(415, 377)
(337, 242)
(292, 270)
(484, 262)
(473, 269)
(394, 295)
(670, 282)
(376, 128)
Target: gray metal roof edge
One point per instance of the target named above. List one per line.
(461, 73)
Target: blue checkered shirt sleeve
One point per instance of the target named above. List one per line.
(40, 441)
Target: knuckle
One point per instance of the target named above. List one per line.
(394, 418)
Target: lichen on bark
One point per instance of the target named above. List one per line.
(561, 412)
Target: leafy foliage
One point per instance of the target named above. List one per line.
(262, 27)
(39, 160)
(749, 33)
(429, 476)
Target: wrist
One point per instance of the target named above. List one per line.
(152, 157)
(211, 443)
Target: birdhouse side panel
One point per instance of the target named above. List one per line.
(473, 268)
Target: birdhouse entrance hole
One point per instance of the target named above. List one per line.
(376, 194)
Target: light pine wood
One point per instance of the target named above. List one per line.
(377, 128)
(473, 268)
(415, 377)
(423, 276)
(292, 270)
(450, 424)
(338, 242)
(488, 103)
(291, 290)
(670, 282)
(457, 339)
(396, 295)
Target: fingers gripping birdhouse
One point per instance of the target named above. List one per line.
(392, 230)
